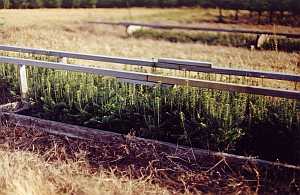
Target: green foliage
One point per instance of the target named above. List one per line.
(167, 3)
(5, 4)
(36, 3)
(295, 7)
(144, 3)
(19, 4)
(6, 90)
(113, 3)
(188, 2)
(88, 3)
(202, 118)
(225, 39)
(76, 3)
(67, 4)
(237, 4)
(260, 6)
(53, 3)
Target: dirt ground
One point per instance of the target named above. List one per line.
(180, 171)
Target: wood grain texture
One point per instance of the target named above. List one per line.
(23, 81)
(195, 28)
(79, 132)
(153, 78)
(187, 65)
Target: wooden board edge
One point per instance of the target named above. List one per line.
(84, 133)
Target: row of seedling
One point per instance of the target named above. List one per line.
(210, 119)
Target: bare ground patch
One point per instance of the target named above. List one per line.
(178, 171)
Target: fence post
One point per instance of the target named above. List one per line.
(23, 81)
(63, 60)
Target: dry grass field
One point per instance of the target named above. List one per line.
(35, 163)
(30, 171)
(68, 30)
(26, 173)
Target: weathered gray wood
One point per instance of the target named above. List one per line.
(77, 68)
(100, 58)
(101, 136)
(23, 81)
(146, 77)
(180, 27)
(189, 66)
(251, 73)
(225, 86)
(184, 62)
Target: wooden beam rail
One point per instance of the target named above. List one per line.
(187, 65)
(152, 78)
(61, 54)
(195, 28)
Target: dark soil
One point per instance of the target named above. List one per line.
(6, 94)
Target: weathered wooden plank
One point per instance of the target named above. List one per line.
(84, 133)
(187, 65)
(155, 63)
(101, 58)
(195, 28)
(226, 86)
(257, 74)
(184, 62)
(77, 68)
(250, 73)
(146, 77)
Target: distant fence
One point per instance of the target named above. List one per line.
(195, 28)
(147, 78)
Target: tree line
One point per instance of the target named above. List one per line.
(259, 6)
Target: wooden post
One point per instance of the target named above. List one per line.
(23, 81)
(63, 60)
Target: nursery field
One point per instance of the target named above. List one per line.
(245, 124)
(237, 123)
